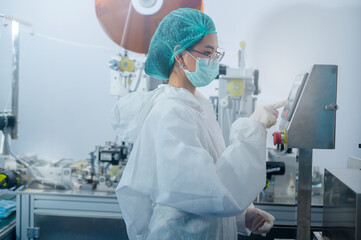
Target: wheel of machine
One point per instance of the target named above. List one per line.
(132, 23)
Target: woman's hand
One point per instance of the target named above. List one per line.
(267, 115)
(258, 221)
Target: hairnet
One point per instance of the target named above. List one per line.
(179, 30)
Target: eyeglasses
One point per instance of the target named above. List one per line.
(215, 55)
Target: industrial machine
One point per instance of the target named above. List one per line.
(342, 204)
(308, 122)
(76, 214)
(131, 25)
(9, 119)
(237, 91)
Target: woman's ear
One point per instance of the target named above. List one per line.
(179, 59)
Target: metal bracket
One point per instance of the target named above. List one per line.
(332, 107)
(33, 232)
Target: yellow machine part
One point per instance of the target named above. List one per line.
(2, 178)
(242, 44)
(235, 87)
(80, 165)
(113, 172)
(126, 65)
(285, 137)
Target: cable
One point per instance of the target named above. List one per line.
(139, 78)
(126, 23)
(241, 105)
(76, 44)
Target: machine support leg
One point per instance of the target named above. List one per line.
(304, 194)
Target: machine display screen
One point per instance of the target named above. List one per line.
(105, 156)
(294, 96)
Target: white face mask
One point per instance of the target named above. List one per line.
(206, 71)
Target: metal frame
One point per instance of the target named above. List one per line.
(15, 35)
(304, 194)
(15, 28)
(67, 204)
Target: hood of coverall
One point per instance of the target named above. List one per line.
(131, 110)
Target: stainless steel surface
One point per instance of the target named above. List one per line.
(342, 204)
(354, 162)
(312, 126)
(304, 194)
(15, 75)
(4, 150)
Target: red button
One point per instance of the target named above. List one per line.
(277, 138)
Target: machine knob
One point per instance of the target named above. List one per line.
(277, 138)
(114, 64)
(280, 137)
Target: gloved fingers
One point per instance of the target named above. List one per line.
(253, 219)
(265, 228)
(278, 104)
(259, 221)
(266, 116)
(272, 110)
(271, 120)
(266, 215)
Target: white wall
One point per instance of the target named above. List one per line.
(285, 38)
(64, 100)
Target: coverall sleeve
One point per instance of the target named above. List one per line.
(188, 179)
(241, 223)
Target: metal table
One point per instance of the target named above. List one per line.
(49, 214)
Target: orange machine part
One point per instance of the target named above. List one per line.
(112, 16)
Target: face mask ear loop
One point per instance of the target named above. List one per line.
(192, 56)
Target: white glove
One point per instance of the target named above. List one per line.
(258, 221)
(267, 115)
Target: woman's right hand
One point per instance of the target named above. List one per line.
(267, 115)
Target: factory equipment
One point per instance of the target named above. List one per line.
(282, 187)
(238, 88)
(354, 162)
(308, 122)
(9, 126)
(342, 204)
(74, 214)
(131, 25)
(9, 119)
(125, 74)
(109, 155)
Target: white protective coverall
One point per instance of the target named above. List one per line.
(181, 182)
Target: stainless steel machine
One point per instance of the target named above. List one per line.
(342, 204)
(308, 122)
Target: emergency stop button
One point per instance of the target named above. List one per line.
(277, 138)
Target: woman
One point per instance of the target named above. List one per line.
(181, 182)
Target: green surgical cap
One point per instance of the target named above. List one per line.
(178, 31)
